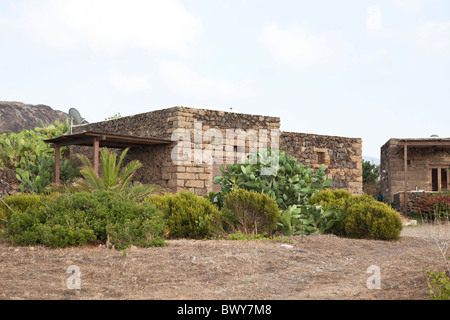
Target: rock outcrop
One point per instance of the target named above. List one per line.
(16, 116)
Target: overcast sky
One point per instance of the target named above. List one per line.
(369, 69)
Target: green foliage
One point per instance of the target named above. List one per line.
(293, 183)
(307, 219)
(116, 116)
(370, 219)
(338, 199)
(33, 159)
(255, 237)
(439, 285)
(76, 219)
(216, 198)
(370, 172)
(113, 177)
(188, 215)
(362, 216)
(20, 203)
(250, 212)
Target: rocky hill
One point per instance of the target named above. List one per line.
(16, 116)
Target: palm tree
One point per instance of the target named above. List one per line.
(113, 179)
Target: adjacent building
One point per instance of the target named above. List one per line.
(414, 166)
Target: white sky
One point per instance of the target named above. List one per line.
(374, 70)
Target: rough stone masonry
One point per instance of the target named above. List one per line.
(341, 156)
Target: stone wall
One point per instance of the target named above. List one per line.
(158, 167)
(198, 177)
(341, 156)
(419, 162)
(8, 182)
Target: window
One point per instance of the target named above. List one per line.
(439, 179)
(320, 158)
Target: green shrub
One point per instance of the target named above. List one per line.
(75, 219)
(292, 184)
(250, 212)
(33, 159)
(188, 215)
(308, 219)
(21, 202)
(372, 220)
(337, 199)
(362, 216)
(438, 284)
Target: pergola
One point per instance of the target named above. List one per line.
(417, 143)
(97, 140)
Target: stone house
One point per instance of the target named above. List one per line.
(206, 135)
(413, 166)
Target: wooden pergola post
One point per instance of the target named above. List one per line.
(57, 163)
(405, 197)
(96, 154)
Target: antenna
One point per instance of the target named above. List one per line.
(75, 118)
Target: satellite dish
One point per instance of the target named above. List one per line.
(75, 118)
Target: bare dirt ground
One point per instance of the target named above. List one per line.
(313, 267)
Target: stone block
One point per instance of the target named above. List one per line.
(194, 184)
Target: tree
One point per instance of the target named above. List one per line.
(370, 172)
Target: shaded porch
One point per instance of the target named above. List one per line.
(98, 140)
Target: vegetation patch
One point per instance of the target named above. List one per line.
(80, 218)
(362, 216)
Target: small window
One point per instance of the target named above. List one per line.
(320, 157)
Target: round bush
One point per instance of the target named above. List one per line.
(75, 219)
(250, 212)
(188, 215)
(363, 217)
(337, 199)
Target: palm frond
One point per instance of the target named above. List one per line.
(82, 185)
(108, 168)
(92, 178)
(122, 156)
(127, 173)
(139, 192)
(84, 160)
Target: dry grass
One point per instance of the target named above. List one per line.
(314, 267)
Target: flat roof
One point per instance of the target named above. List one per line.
(425, 142)
(105, 140)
